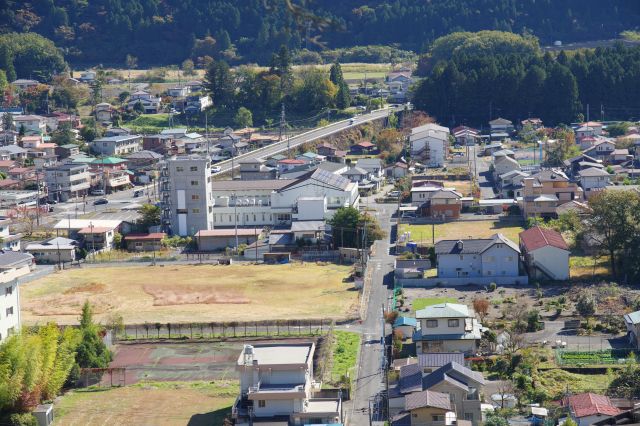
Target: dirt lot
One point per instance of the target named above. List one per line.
(187, 293)
(197, 403)
(422, 234)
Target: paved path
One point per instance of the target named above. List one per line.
(481, 167)
(370, 379)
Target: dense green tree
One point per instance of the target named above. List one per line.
(91, 351)
(219, 84)
(313, 92)
(351, 228)
(150, 215)
(243, 117)
(63, 135)
(32, 56)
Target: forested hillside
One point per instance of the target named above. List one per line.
(471, 77)
(169, 31)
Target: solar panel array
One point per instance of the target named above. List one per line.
(331, 179)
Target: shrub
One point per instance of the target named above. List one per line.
(492, 287)
(23, 419)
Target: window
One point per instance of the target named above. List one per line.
(461, 257)
(509, 258)
(195, 211)
(452, 397)
(8, 291)
(195, 197)
(194, 183)
(194, 168)
(437, 418)
(432, 323)
(262, 403)
(468, 417)
(9, 311)
(179, 169)
(454, 323)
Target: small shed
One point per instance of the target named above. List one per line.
(144, 242)
(44, 414)
(220, 239)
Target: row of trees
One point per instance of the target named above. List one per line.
(37, 363)
(472, 77)
(158, 32)
(262, 92)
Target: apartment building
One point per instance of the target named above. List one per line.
(277, 383)
(13, 265)
(431, 142)
(117, 145)
(545, 191)
(187, 200)
(65, 181)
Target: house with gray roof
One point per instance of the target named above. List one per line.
(632, 322)
(464, 388)
(447, 327)
(479, 261)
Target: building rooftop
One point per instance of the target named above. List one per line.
(242, 232)
(248, 185)
(455, 374)
(444, 310)
(427, 398)
(14, 259)
(472, 246)
(77, 224)
(277, 354)
(537, 237)
(438, 359)
(589, 404)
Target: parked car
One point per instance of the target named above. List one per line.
(100, 201)
(97, 192)
(138, 193)
(351, 121)
(216, 169)
(394, 194)
(409, 215)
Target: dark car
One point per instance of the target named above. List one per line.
(138, 193)
(100, 201)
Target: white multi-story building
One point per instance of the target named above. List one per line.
(430, 141)
(276, 381)
(13, 265)
(117, 145)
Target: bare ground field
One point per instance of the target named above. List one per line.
(200, 403)
(192, 293)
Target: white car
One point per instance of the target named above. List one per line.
(216, 169)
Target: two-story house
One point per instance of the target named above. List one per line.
(255, 169)
(545, 191)
(430, 408)
(479, 261)
(593, 180)
(510, 183)
(276, 382)
(503, 163)
(464, 387)
(501, 125)
(32, 124)
(602, 150)
(447, 327)
(117, 145)
(150, 104)
(545, 253)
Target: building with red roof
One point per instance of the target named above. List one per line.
(144, 242)
(587, 408)
(545, 253)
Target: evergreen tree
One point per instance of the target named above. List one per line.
(335, 74)
(219, 83)
(343, 97)
(91, 352)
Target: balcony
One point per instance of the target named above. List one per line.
(262, 390)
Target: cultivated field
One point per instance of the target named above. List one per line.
(192, 293)
(199, 403)
(422, 234)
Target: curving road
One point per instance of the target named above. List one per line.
(311, 135)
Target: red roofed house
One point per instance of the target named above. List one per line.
(289, 163)
(587, 408)
(545, 253)
(144, 242)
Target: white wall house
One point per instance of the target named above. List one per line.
(31, 123)
(594, 179)
(447, 327)
(277, 380)
(117, 145)
(545, 253)
(13, 265)
(474, 258)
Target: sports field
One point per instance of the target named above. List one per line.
(192, 293)
(195, 404)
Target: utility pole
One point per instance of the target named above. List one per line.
(235, 217)
(283, 122)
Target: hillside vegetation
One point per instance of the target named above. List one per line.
(170, 31)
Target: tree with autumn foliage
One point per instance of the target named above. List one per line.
(481, 306)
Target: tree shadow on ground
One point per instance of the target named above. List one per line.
(211, 418)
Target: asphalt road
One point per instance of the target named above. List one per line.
(283, 145)
(480, 165)
(370, 379)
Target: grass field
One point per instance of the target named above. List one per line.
(345, 354)
(584, 267)
(462, 186)
(156, 403)
(423, 302)
(461, 229)
(556, 382)
(188, 293)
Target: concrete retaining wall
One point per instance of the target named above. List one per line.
(454, 282)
